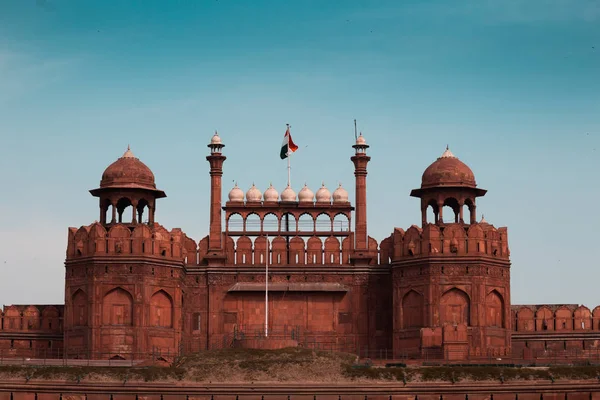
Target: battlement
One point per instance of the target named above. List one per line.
(32, 318)
(125, 239)
(555, 317)
(296, 250)
(455, 239)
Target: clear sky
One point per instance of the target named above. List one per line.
(511, 85)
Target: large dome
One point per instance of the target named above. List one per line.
(448, 170)
(128, 172)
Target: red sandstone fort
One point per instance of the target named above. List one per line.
(442, 289)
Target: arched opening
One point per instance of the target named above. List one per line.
(107, 212)
(270, 223)
(432, 212)
(235, 223)
(79, 309)
(494, 306)
(412, 310)
(117, 358)
(341, 223)
(451, 210)
(253, 223)
(306, 223)
(323, 223)
(124, 208)
(288, 223)
(142, 207)
(455, 308)
(117, 308)
(161, 310)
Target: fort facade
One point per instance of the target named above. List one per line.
(441, 289)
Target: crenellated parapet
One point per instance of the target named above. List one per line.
(546, 318)
(125, 240)
(449, 240)
(279, 250)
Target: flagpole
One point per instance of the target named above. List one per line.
(267, 289)
(289, 155)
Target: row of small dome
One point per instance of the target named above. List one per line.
(323, 195)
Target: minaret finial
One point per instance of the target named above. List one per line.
(447, 147)
(128, 148)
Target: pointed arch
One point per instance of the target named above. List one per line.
(494, 309)
(582, 317)
(413, 310)
(455, 308)
(306, 223)
(525, 320)
(544, 319)
(161, 309)
(31, 319)
(235, 222)
(323, 222)
(253, 223)
(117, 307)
(79, 308)
(563, 319)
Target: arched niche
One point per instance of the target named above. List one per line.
(525, 320)
(494, 306)
(161, 310)
(31, 318)
(79, 307)
(563, 319)
(455, 308)
(544, 319)
(582, 317)
(117, 308)
(413, 310)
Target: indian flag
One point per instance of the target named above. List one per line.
(288, 146)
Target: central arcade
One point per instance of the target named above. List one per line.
(324, 279)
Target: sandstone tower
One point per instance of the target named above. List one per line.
(451, 277)
(123, 293)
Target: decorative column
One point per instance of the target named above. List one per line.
(360, 160)
(216, 160)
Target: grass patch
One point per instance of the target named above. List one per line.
(291, 365)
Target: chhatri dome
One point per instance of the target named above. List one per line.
(271, 194)
(253, 194)
(449, 171)
(288, 194)
(236, 194)
(360, 140)
(306, 195)
(216, 139)
(340, 195)
(323, 194)
(128, 172)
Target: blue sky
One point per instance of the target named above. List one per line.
(512, 86)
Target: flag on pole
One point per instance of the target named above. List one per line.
(288, 146)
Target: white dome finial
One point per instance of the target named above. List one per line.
(128, 153)
(447, 153)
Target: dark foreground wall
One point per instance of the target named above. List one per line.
(575, 390)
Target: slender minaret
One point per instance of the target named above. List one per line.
(216, 160)
(360, 160)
